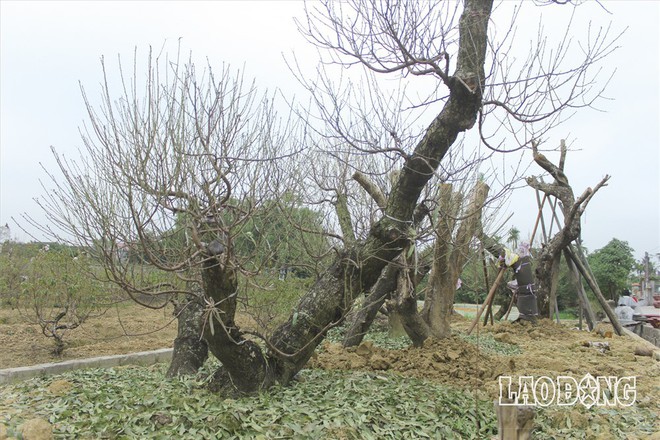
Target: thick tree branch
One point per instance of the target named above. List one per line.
(371, 188)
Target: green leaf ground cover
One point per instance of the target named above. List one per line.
(139, 402)
(381, 338)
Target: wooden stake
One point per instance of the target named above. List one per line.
(514, 422)
(585, 306)
(554, 218)
(489, 312)
(539, 217)
(489, 299)
(514, 295)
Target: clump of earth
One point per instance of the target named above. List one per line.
(546, 349)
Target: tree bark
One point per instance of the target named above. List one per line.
(572, 210)
(344, 217)
(190, 349)
(451, 255)
(371, 188)
(442, 271)
(244, 366)
(364, 317)
(404, 304)
(380, 293)
(332, 295)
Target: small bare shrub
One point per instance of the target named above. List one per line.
(59, 292)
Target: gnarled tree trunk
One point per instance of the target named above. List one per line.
(572, 209)
(244, 365)
(442, 270)
(190, 349)
(365, 316)
(450, 256)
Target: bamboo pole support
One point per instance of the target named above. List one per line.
(489, 311)
(586, 273)
(585, 306)
(489, 299)
(514, 295)
(539, 217)
(552, 294)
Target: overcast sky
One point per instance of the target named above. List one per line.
(48, 47)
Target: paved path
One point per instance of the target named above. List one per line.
(470, 310)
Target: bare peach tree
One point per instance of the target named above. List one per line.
(173, 174)
(176, 172)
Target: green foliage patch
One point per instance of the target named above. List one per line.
(274, 301)
(611, 265)
(378, 335)
(106, 403)
(139, 402)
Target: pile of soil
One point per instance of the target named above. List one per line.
(546, 349)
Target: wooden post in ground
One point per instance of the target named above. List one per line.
(514, 422)
(540, 205)
(553, 307)
(514, 295)
(538, 219)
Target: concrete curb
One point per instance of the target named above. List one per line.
(11, 375)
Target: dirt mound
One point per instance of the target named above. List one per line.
(546, 349)
(448, 361)
(37, 429)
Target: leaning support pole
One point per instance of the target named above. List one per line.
(594, 287)
(538, 219)
(489, 312)
(540, 205)
(553, 307)
(508, 310)
(489, 299)
(582, 295)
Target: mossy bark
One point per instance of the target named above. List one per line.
(244, 367)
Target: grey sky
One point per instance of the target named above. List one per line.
(47, 47)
